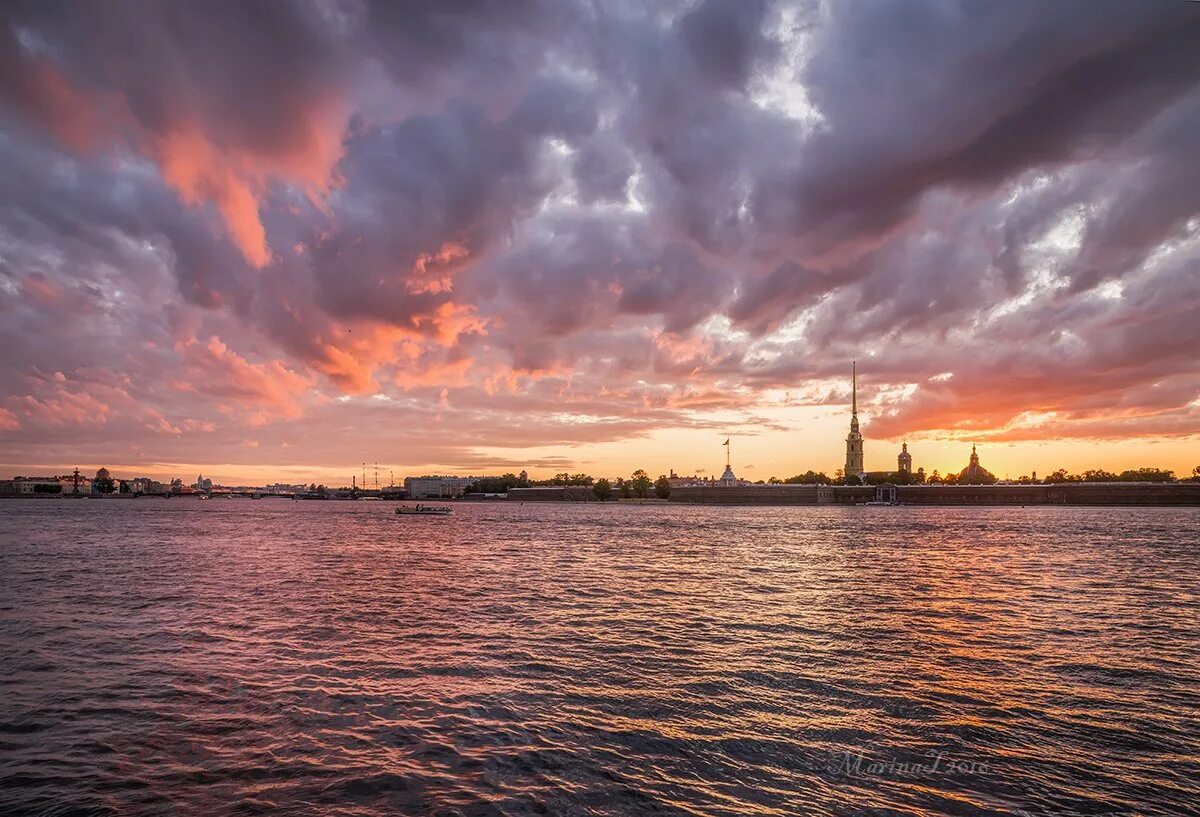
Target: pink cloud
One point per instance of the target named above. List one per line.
(215, 369)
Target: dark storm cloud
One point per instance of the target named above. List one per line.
(235, 212)
(969, 95)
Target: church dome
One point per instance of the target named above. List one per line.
(974, 473)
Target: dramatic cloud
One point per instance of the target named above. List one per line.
(514, 225)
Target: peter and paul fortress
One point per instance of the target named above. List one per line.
(974, 485)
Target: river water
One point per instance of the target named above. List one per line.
(238, 656)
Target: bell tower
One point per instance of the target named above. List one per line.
(854, 440)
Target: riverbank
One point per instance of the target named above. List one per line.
(1080, 493)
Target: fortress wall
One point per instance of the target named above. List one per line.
(772, 495)
(1176, 493)
(1079, 493)
(553, 493)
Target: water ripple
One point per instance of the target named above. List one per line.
(330, 658)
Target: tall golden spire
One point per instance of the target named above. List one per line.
(854, 441)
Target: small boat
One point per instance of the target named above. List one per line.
(425, 510)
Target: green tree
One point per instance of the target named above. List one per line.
(662, 487)
(1099, 475)
(640, 483)
(1147, 475)
(602, 490)
(560, 480)
(496, 485)
(810, 477)
(624, 487)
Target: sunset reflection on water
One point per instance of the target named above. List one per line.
(333, 658)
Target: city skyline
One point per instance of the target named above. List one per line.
(597, 238)
(387, 474)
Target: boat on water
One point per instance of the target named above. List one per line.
(424, 510)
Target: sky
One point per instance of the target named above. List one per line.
(268, 239)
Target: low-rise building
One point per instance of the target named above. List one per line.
(678, 481)
(146, 485)
(285, 488)
(436, 487)
(37, 485)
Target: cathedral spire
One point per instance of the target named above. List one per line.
(854, 441)
(854, 388)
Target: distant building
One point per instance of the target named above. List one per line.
(146, 485)
(103, 483)
(974, 473)
(676, 481)
(36, 485)
(904, 461)
(203, 484)
(854, 440)
(436, 487)
(285, 488)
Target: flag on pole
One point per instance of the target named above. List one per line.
(726, 441)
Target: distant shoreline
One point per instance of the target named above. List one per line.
(1121, 495)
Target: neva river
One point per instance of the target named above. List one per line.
(237, 656)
